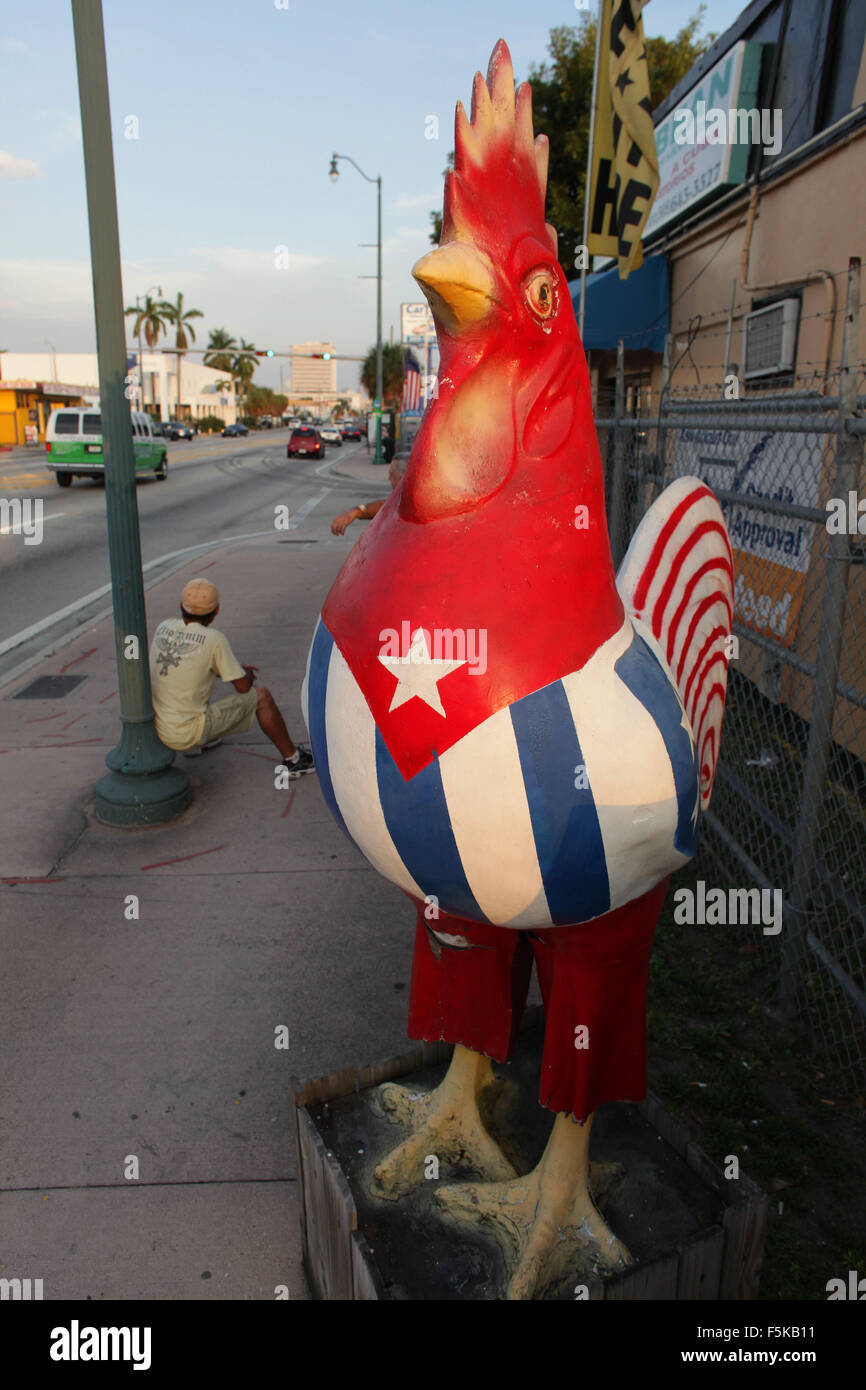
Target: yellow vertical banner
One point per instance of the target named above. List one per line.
(624, 175)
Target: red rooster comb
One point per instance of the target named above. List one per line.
(500, 168)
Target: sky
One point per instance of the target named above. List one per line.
(224, 118)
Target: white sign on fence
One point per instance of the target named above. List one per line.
(771, 550)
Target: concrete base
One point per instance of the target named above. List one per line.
(125, 799)
(692, 1233)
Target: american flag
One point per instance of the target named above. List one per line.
(411, 384)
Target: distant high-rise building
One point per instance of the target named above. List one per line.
(313, 376)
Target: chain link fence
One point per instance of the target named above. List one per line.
(789, 804)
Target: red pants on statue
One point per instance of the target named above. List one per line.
(469, 986)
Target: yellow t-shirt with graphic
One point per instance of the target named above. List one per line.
(185, 660)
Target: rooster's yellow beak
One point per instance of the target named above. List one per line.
(459, 283)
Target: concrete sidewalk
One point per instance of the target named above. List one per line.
(362, 468)
(153, 1037)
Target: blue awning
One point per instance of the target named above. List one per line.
(636, 310)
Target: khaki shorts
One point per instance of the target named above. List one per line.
(233, 715)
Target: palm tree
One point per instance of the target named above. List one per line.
(223, 345)
(180, 317)
(244, 366)
(152, 318)
(222, 358)
(392, 373)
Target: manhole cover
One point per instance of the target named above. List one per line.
(49, 688)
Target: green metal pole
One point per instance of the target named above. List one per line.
(142, 787)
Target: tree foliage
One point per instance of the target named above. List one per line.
(561, 102)
(261, 400)
(223, 345)
(392, 373)
(152, 318)
(180, 317)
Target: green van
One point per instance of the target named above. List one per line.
(73, 442)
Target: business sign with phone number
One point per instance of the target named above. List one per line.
(689, 172)
(687, 194)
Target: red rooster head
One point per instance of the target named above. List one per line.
(513, 382)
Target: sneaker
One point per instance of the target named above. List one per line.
(205, 748)
(304, 764)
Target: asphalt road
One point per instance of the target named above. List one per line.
(216, 488)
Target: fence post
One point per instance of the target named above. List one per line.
(661, 432)
(837, 565)
(617, 485)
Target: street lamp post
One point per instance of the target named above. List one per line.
(53, 359)
(141, 787)
(158, 289)
(334, 174)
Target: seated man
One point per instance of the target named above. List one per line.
(186, 657)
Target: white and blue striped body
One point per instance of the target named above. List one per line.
(572, 801)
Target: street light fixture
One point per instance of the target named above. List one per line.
(333, 173)
(53, 359)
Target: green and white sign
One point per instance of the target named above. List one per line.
(704, 142)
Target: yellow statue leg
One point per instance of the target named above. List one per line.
(546, 1222)
(448, 1123)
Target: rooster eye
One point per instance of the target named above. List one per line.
(540, 293)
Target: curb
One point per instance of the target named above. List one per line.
(58, 643)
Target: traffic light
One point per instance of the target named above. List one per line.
(325, 356)
(264, 352)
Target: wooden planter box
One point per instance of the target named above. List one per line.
(711, 1258)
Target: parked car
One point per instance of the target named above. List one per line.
(305, 440)
(331, 435)
(352, 432)
(231, 430)
(179, 429)
(73, 443)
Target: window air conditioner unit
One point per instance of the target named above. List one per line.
(769, 339)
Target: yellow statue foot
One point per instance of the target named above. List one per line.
(547, 1224)
(446, 1124)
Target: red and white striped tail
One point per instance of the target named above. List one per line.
(677, 579)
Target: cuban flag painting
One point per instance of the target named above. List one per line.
(562, 805)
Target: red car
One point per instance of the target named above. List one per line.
(305, 440)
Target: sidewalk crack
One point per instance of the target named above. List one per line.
(68, 850)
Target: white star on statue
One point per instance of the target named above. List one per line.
(418, 674)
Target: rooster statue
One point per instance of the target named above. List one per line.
(518, 738)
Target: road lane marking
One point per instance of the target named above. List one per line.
(14, 480)
(16, 530)
(35, 628)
